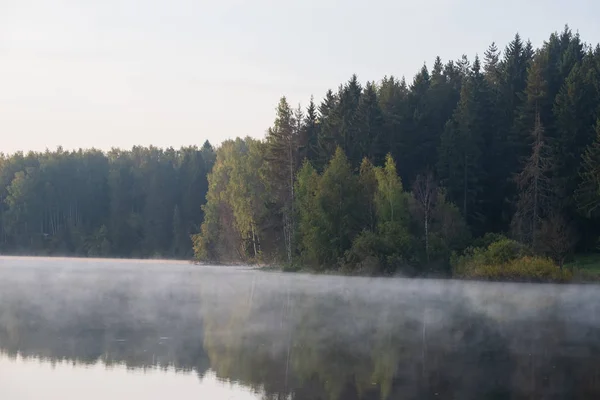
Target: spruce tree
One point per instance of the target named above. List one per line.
(575, 113)
(370, 141)
(491, 65)
(311, 132)
(418, 143)
(460, 165)
(348, 135)
(393, 100)
(535, 190)
(282, 163)
(328, 122)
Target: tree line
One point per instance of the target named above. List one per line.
(390, 175)
(145, 202)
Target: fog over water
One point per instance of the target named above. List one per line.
(234, 332)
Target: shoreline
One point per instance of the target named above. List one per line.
(578, 277)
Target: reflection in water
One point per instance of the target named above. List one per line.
(70, 381)
(311, 337)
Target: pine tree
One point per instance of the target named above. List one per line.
(348, 135)
(575, 113)
(370, 121)
(535, 190)
(437, 72)
(461, 166)
(393, 100)
(513, 83)
(535, 198)
(464, 66)
(491, 65)
(442, 98)
(572, 52)
(311, 132)
(418, 144)
(328, 122)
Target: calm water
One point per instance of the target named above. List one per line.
(89, 329)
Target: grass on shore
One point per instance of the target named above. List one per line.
(585, 267)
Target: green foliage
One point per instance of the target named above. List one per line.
(236, 206)
(391, 201)
(461, 146)
(506, 259)
(527, 269)
(91, 203)
(458, 135)
(390, 245)
(498, 252)
(310, 234)
(337, 208)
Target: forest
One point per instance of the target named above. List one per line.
(485, 160)
(491, 161)
(140, 203)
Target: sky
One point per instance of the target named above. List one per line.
(118, 73)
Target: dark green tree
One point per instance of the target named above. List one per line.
(328, 123)
(461, 165)
(370, 120)
(535, 191)
(310, 134)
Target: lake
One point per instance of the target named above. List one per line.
(116, 329)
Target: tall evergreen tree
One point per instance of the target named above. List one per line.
(491, 65)
(575, 110)
(370, 120)
(311, 132)
(282, 163)
(348, 135)
(536, 194)
(329, 123)
(393, 100)
(418, 144)
(461, 166)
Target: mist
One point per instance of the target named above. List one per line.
(307, 336)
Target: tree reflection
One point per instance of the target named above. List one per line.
(289, 337)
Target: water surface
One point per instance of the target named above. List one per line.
(73, 328)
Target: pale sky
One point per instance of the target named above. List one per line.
(104, 73)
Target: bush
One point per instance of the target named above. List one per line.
(527, 268)
(505, 250)
(506, 259)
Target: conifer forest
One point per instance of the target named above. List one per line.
(490, 159)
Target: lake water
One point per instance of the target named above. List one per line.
(93, 329)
